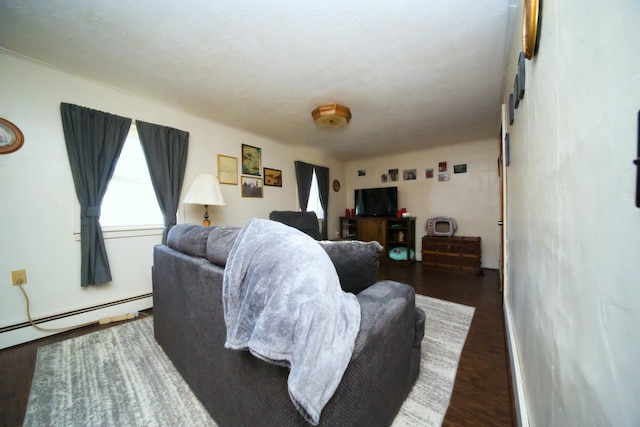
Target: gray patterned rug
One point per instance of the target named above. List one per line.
(120, 376)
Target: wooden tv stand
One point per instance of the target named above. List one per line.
(389, 232)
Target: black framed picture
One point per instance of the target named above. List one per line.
(521, 76)
(516, 99)
(272, 177)
(512, 110)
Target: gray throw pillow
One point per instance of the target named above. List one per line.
(190, 239)
(219, 244)
(356, 262)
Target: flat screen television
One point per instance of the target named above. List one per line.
(381, 202)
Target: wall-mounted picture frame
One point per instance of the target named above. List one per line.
(443, 176)
(227, 169)
(393, 175)
(462, 168)
(251, 160)
(428, 173)
(409, 174)
(516, 99)
(507, 150)
(272, 177)
(11, 137)
(442, 167)
(250, 186)
(512, 110)
(362, 172)
(521, 76)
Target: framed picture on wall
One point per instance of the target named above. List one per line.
(251, 187)
(227, 169)
(251, 160)
(272, 177)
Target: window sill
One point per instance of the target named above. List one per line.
(127, 232)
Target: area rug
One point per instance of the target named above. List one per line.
(120, 376)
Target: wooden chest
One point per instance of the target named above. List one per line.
(457, 254)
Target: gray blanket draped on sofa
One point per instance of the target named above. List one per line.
(283, 302)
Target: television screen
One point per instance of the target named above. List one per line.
(381, 202)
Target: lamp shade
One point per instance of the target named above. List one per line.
(205, 190)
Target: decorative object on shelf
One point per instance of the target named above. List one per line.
(251, 160)
(228, 169)
(521, 76)
(442, 226)
(531, 27)
(460, 168)
(336, 185)
(205, 190)
(331, 115)
(251, 187)
(272, 177)
(11, 137)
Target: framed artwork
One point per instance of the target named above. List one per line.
(442, 167)
(272, 177)
(443, 176)
(512, 111)
(428, 173)
(393, 175)
(251, 160)
(383, 178)
(227, 169)
(11, 137)
(460, 168)
(408, 174)
(516, 91)
(521, 76)
(251, 187)
(362, 172)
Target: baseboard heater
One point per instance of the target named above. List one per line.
(73, 313)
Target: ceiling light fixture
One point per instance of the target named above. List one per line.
(332, 115)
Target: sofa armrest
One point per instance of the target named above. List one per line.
(387, 311)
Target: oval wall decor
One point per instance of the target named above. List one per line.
(11, 137)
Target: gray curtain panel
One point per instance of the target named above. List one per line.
(94, 141)
(166, 150)
(304, 174)
(322, 174)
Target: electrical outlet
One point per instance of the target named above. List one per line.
(19, 277)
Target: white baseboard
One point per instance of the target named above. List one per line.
(516, 373)
(29, 333)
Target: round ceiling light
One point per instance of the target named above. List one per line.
(331, 115)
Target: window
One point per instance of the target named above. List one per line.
(314, 198)
(130, 199)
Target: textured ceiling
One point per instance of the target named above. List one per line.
(415, 74)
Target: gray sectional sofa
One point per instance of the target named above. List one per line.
(240, 389)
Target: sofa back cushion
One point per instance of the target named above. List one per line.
(219, 244)
(356, 262)
(190, 239)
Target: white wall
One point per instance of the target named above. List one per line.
(471, 198)
(574, 258)
(39, 205)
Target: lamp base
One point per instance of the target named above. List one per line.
(206, 223)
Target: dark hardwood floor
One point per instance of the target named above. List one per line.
(482, 392)
(481, 395)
